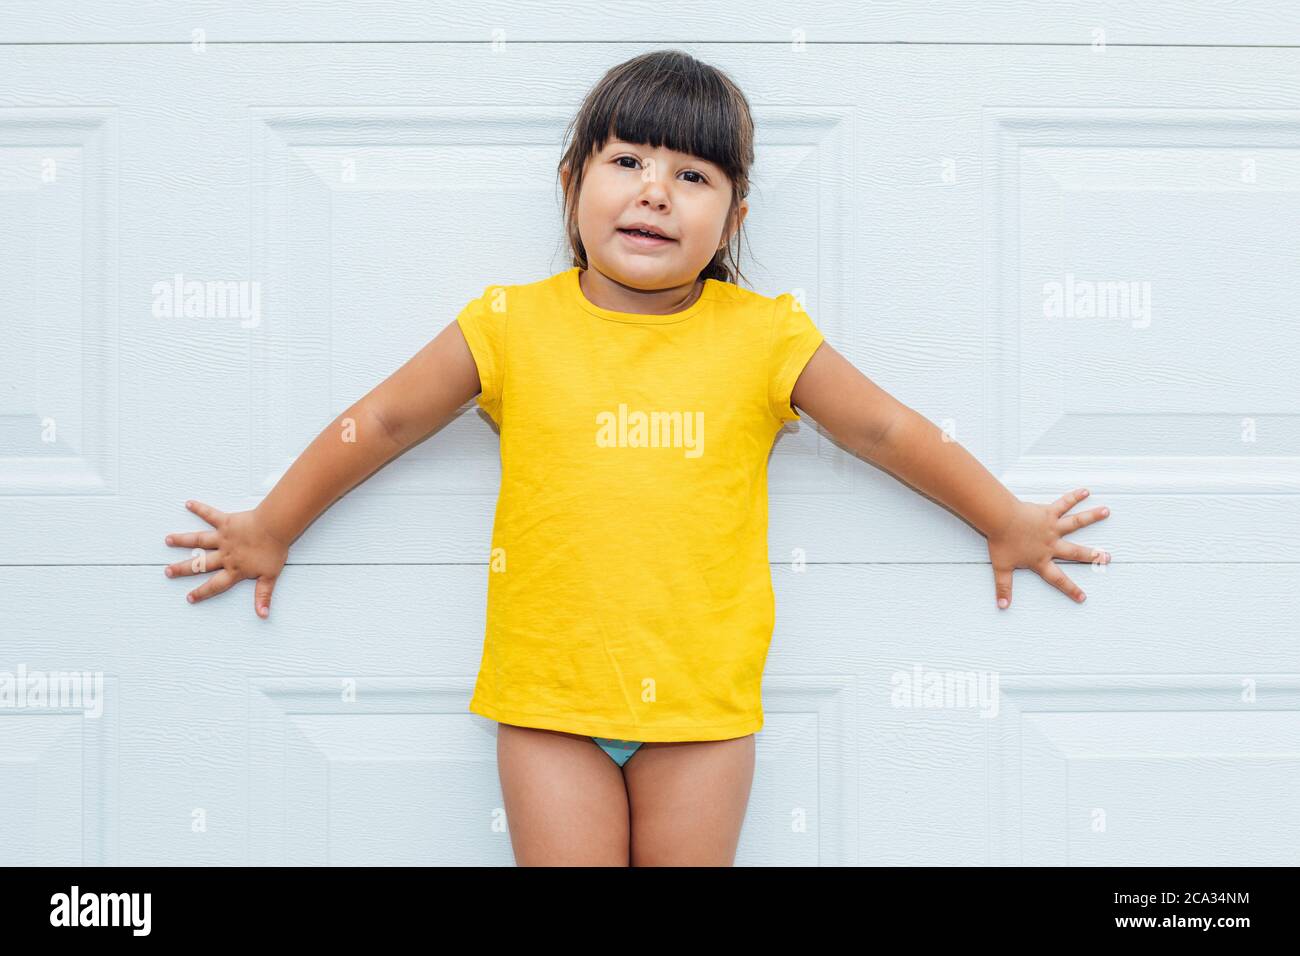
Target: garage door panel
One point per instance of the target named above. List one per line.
(927, 203)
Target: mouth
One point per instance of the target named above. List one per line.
(643, 237)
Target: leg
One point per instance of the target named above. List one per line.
(688, 801)
(565, 801)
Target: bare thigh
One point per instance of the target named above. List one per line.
(566, 803)
(688, 801)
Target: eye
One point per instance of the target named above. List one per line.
(702, 181)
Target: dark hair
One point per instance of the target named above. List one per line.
(665, 98)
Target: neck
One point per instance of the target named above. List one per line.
(608, 294)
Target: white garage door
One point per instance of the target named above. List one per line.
(1068, 237)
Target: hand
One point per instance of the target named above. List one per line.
(1034, 536)
(241, 547)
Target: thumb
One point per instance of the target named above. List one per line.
(262, 596)
(1002, 580)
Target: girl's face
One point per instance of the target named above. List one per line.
(679, 196)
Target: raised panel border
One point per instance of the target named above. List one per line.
(1007, 131)
(92, 130)
(1024, 696)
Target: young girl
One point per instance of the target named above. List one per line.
(638, 394)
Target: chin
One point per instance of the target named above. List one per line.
(635, 270)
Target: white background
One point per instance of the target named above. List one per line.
(923, 170)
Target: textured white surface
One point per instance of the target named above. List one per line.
(920, 196)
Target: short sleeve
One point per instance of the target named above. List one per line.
(483, 323)
(794, 339)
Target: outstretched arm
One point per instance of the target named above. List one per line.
(404, 408)
(416, 399)
(877, 427)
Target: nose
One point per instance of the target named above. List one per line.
(655, 197)
(652, 190)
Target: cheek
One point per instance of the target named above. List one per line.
(708, 224)
(596, 201)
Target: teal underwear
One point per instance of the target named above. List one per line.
(619, 750)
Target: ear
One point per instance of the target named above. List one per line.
(734, 225)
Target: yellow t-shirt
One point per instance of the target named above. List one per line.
(629, 590)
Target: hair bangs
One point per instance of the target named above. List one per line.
(670, 113)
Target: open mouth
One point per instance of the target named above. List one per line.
(642, 235)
